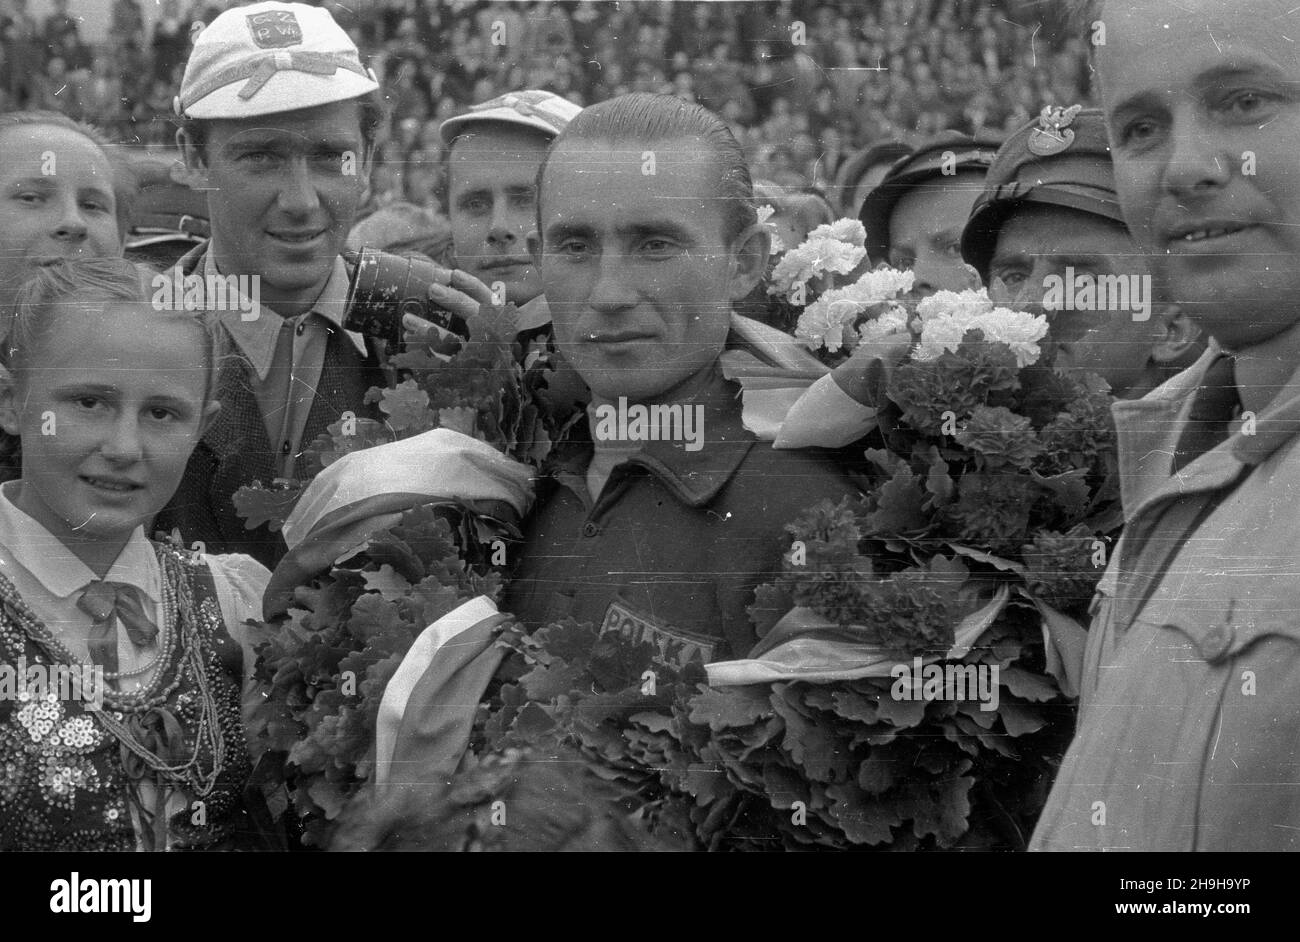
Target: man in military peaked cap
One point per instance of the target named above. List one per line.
(915, 216)
(1046, 235)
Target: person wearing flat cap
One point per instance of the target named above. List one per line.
(278, 117)
(1048, 222)
(914, 217)
(493, 152)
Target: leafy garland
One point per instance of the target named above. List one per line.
(784, 766)
(996, 475)
(997, 482)
(326, 665)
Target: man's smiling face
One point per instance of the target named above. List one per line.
(638, 273)
(1202, 103)
(283, 192)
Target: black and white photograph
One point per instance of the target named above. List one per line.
(632, 425)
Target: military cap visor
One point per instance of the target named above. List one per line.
(927, 163)
(993, 208)
(1061, 159)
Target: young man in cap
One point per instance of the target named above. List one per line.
(1189, 725)
(491, 157)
(666, 538)
(914, 218)
(278, 117)
(493, 152)
(1047, 236)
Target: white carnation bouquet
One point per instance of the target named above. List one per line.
(835, 319)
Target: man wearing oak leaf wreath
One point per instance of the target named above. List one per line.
(640, 271)
(665, 538)
(657, 539)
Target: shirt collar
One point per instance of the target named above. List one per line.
(62, 574)
(256, 338)
(533, 314)
(696, 477)
(1148, 430)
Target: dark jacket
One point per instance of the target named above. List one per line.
(236, 450)
(677, 541)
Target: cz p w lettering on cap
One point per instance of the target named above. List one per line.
(271, 57)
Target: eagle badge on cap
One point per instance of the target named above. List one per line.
(1053, 134)
(275, 29)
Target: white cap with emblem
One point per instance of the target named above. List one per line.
(271, 57)
(532, 108)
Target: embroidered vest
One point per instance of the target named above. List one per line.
(68, 783)
(236, 450)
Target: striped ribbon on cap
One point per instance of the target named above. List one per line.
(259, 70)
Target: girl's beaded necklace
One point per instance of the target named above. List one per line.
(162, 654)
(148, 695)
(179, 619)
(166, 638)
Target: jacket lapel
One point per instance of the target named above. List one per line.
(1156, 497)
(1148, 432)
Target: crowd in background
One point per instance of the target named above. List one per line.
(802, 83)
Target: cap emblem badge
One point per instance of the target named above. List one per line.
(275, 29)
(1053, 134)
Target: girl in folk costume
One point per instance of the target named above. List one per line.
(109, 394)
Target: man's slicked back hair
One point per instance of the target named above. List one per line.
(649, 120)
